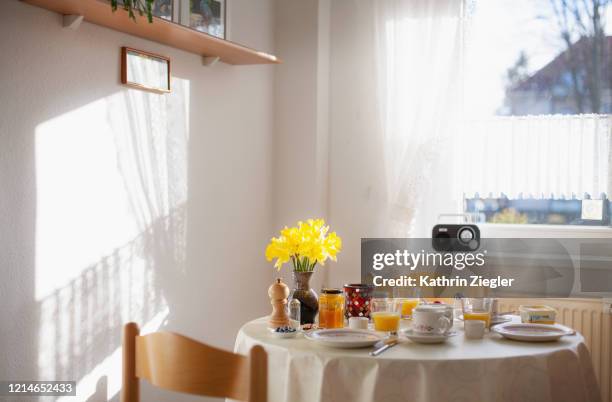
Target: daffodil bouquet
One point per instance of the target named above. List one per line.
(306, 245)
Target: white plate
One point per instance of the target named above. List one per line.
(532, 332)
(427, 338)
(343, 338)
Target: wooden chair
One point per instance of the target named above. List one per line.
(177, 363)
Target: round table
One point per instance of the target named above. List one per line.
(460, 370)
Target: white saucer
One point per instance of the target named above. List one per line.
(427, 338)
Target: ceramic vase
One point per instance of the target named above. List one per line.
(309, 301)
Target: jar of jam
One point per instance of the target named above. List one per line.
(331, 308)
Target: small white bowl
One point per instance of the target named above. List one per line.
(474, 329)
(358, 323)
(282, 335)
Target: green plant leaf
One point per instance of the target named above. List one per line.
(150, 11)
(135, 6)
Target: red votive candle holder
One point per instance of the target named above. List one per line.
(357, 298)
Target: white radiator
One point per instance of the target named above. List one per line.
(593, 319)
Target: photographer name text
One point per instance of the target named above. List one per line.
(443, 281)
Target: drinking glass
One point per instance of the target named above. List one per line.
(407, 305)
(408, 300)
(477, 309)
(386, 315)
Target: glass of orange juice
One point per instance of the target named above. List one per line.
(385, 314)
(407, 306)
(477, 309)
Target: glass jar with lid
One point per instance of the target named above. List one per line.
(331, 308)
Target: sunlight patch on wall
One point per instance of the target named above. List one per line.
(110, 228)
(82, 208)
(105, 173)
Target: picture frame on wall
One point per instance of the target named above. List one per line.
(145, 70)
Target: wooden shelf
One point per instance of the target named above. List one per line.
(161, 31)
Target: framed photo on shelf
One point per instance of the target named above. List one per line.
(145, 70)
(164, 9)
(206, 16)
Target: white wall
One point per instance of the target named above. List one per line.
(301, 145)
(327, 161)
(357, 193)
(119, 205)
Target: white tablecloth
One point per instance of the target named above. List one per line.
(461, 370)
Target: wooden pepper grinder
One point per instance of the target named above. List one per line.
(278, 292)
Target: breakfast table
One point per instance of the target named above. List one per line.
(459, 370)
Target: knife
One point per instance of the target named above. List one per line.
(387, 345)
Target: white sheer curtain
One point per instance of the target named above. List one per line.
(537, 156)
(418, 78)
(433, 155)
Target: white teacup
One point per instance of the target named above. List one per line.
(431, 319)
(448, 310)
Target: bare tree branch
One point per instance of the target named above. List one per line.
(582, 28)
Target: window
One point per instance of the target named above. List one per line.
(537, 131)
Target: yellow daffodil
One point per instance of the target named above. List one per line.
(305, 245)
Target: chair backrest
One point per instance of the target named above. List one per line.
(177, 363)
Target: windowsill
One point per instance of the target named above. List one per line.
(500, 230)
